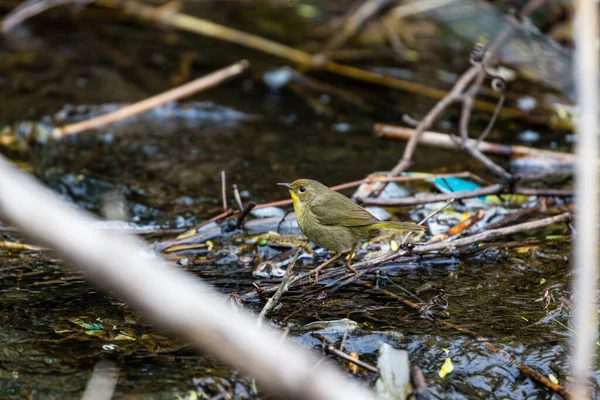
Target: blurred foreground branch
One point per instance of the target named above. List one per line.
(585, 252)
(174, 299)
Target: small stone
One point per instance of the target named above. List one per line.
(526, 103)
(278, 78)
(267, 212)
(529, 136)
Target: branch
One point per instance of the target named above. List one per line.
(444, 141)
(188, 89)
(272, 302)
(434, 198)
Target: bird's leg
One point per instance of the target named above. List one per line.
(349, 259)
(326, 263)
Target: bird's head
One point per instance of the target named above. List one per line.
(303, 191)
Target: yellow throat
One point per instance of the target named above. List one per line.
(298, 206)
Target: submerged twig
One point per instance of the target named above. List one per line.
(338, 353)
(420, 390)
(103, 382)
(186, 90)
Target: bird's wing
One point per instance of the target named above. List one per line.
(328, 212)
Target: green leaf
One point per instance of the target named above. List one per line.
(553, 379)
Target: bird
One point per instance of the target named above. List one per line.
(333, 221)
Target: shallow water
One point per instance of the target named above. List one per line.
(54, 326)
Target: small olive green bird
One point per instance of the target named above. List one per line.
(333, 221)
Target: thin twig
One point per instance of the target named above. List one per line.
(465, 117)
(237, 197)
(224, 191)
(512, 218)
(434, 198)
(343, 342)
(433, 214)
(188, 89)
(427, 218)
(444, 141)
(467, 103)
(245, 212)
(491, 234)
(216, 218)
(389, 30)
(492, 120)
(283, 287)
(452, 96)
(484, 191)
(332, 350)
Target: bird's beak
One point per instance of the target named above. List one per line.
(286, 185)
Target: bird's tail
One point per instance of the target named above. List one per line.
(399, 226)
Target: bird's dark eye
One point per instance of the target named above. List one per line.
(302, 189)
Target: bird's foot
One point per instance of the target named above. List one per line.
(326, 263)
(350, 267)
